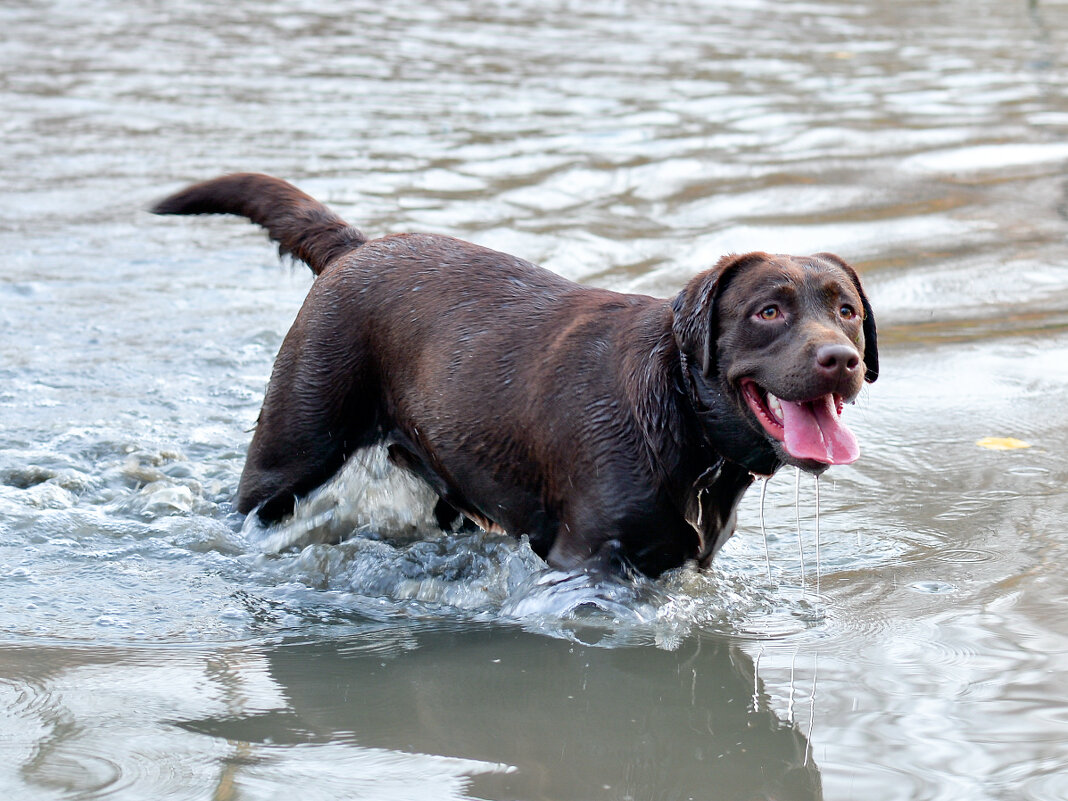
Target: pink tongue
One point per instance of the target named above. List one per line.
(814, 432)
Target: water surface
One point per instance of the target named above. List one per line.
(155, 645)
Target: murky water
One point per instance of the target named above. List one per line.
(154, 646)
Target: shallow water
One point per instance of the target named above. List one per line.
(156, 645)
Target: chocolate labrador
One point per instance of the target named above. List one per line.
(616, 431)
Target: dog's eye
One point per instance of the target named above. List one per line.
(847, 312)
(768, 313)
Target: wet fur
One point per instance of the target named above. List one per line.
(601, 425)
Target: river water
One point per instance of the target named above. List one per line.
(154, 645)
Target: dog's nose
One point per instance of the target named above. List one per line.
(837, 361)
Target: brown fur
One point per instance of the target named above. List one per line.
(606, 427)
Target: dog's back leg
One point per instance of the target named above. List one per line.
(321, 406)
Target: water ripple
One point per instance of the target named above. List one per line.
(626, 144)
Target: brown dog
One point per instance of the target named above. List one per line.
(615, 431)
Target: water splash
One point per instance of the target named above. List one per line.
(598, 610)
(368, 495)
(366, 548)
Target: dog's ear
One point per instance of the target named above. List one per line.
(695, 322)
(871, 340)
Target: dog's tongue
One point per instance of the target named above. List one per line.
(813, 431)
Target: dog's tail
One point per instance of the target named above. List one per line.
(302, 226)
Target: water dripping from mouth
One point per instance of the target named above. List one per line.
(763, 527)
(797, 515)
(818, 564)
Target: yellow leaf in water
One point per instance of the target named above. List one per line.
(1002, 443)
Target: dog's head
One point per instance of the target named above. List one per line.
(776, 345)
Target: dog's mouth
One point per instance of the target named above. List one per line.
(809, 430)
